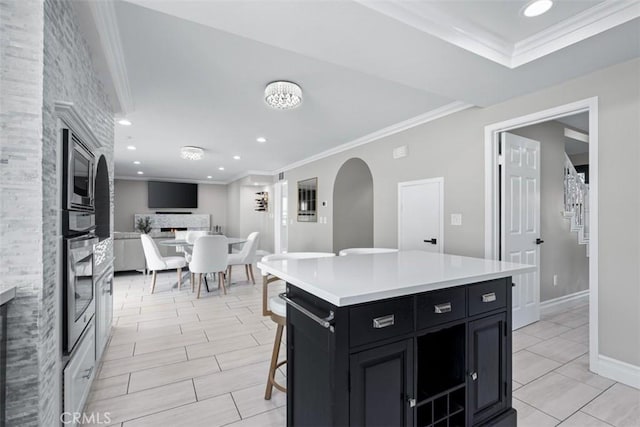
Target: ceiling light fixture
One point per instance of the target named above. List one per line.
(131, 147)
(221, 168)
(537, 8)
(136, 162)
(283, 95)
(124, 122)
(261, 139)
(140, 173)
(236, 157)
(209, 176)
(191, 153)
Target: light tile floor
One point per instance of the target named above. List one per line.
(176, 361)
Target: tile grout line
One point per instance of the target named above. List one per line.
(594, 398)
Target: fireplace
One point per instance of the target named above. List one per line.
(173, 229)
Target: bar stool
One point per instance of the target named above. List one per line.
(276, 308)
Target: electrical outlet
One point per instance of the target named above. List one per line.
(456, 219)
(555, 280)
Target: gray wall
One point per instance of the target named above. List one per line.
(131, 198)
(560, 253)
(453, 147)
(44, 59)
(353, 206)
(242, 217)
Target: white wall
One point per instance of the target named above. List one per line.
(131, 198)
(560, 254)
(241, 214)
(453, 147)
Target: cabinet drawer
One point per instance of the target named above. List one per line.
(441, 306)
(377, 321)
(487, 296)
(79, 372)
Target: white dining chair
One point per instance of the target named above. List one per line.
(210, 255)
(276, 308)
(156, 262)
(246, 256)
(364, 251)
(193, 235)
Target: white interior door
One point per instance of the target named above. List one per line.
(281, 217)
(520, 225)
(420, 215)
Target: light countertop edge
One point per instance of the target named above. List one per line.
(7, 293)
(363, 296)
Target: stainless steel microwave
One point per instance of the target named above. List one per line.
(78, 173)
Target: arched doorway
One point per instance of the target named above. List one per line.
(102, 200)
(353, 206)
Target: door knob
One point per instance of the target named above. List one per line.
(474, 376)
(539, 241)
(433, 241)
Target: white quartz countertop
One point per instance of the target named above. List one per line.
(7, 292)
(355, 279)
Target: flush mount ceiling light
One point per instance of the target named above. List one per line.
(537, 8)
(283, 95)
(191, 153)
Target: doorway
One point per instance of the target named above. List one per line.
(281, 217)
(420, 215)
(493, 209)
(353, 206)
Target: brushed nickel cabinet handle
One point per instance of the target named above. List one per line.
(384, 321)
(491, 297)
(442, 308)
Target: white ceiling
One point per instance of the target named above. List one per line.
(195, 73)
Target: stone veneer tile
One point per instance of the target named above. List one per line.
(45, 59)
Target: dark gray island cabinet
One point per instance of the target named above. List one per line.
(428, 348)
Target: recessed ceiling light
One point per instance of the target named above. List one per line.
(131, 147)
(140, 173)
(261, 139)
(209, 176)
(537, 8)
(236, 157)
(221, 168)
(124, 122)
(136, 162)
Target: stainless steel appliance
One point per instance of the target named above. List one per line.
(79, 295)
(78, 173)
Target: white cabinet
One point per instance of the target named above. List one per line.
(104, 311)
(79, 373)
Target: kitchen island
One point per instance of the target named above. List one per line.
(399, 339)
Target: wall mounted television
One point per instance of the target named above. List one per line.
(172, 195)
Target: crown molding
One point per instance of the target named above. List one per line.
(104, 16)
(250, 173)
(429, 116)
(428, 18)
(590, 22)
(153, 178)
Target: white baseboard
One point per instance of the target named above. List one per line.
(566, 300)
(618, 370)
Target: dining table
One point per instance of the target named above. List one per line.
(181, 244)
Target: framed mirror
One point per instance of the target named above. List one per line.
(307, 200)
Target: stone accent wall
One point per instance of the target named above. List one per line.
(44, 60)
(68, 76)
(21, 86)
